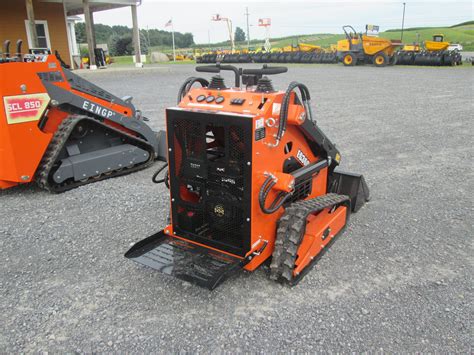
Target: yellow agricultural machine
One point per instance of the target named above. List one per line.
(358, 48)
(434, 53)
(293, 53)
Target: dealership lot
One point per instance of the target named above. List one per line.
(398, 279)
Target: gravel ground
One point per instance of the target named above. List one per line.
(399, 279)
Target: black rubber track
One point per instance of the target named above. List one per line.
(290, 232)
(60, 137)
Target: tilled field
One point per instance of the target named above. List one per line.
(399, 279)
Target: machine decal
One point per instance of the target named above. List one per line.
(25, 108)
(97, 109)
(302, 158)
(259, 134)
(228, 180)
(259, 129)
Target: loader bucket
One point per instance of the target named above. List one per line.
(184, 260)
(352, 185)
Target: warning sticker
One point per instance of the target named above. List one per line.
(25, 108)
(259, 123)
(276, 109)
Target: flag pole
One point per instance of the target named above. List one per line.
(172, 36)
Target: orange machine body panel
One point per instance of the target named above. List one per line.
(263, 110)
(24, 102)
(315, 239)
(22, 144)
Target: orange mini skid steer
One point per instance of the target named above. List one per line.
(252, 178)
(61, 130)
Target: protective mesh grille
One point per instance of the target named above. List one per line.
(210, 159)
(190, 138)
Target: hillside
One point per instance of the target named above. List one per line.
(461, 33)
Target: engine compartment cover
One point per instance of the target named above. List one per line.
(184, 260)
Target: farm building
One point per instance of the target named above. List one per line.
(49, 24)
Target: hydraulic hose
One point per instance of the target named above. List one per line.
(188, 83)
(281, 198)
(305, 97)
(159, 181)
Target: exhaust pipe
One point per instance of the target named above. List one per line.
(19, 55)
(6, 48)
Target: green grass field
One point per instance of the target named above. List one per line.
(462, 33)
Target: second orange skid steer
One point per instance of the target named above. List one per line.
(252, 178)
(62, 131)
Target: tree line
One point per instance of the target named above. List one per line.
(119, 38)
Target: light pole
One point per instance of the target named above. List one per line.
(403, 22)
(218, 17)
(248, 28)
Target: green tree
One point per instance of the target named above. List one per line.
(144, 42)
(120, 45)
(80, 28)
(118, 37)
(239, 35)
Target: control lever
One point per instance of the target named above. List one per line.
(217, 68)
(208, 69)
(251, 77)
(265, 70)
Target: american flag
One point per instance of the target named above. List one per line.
(169, 23)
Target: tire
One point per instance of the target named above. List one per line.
(257, 58)
(393, 60)
(381, 59)
(296, 57)
(306, 58)
(349, 60)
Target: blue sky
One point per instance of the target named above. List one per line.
(289, 17)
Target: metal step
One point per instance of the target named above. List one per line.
(184, 260)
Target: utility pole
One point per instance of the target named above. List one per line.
(403, 22)
(172, 37)
(248, 28)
